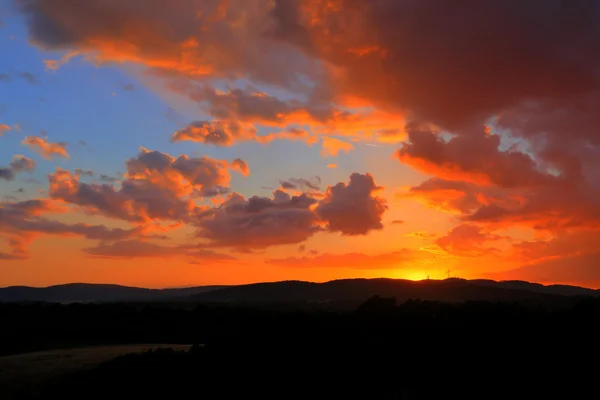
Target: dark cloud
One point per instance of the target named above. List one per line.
(351, 208)
(18, 164)
(301, 183)
(83, 172)
(213, 191)
(107, 178)
(260, 222)
(135, 248)
(472, 158)
(240, 105)
(21, 222)
(4, 78)
(170, 41)
(128, 87)
(29, 77)
(420, 56)
(7, 174)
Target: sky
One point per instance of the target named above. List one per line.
(163, 144)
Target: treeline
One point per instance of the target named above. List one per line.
(32, 326)
(382, 350)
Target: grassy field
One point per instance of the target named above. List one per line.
(26, 374)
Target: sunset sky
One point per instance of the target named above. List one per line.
(170, 143)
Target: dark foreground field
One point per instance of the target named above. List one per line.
(29, 374)
(381, 350)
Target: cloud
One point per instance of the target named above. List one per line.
(29, 77)
(301, 184)
(467, 241)
(372, 60)
(83, 172)
(331, 165)
(214, 132)
(397, 222)
(191, 44)
(351, 208)
(332, 146)
(135, 248)
(21, 222)
(573, 269)
(44, 148)
(107, 178)
(7, 174)
(4, 128)
(349, 260)
(156, 187)
(4, 78)
(421, 235)
(431, 84)
(128, 87)
(472, 158)
(18, 164)
(168, 41)
(240, 166)
(259, 222)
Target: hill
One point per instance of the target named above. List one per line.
(352, 291)
(87, 292)
(355, 291)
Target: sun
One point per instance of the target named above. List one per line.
(412, 275)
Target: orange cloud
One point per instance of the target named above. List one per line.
(474, 158)
(157, 187)
(332, 146)
(44, 148)
(421, 235)
(4, 128)
(467, 241)
(240, 166)
(391, 260)
(22, 222)
(135, 248)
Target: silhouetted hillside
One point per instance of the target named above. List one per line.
(357, 290)
(85, 292)
(382, 350)
(352, 291)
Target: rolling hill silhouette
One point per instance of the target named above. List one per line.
(357, 290)
(345, 290)
(89, 292)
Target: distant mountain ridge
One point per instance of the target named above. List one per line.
(305, 292)
(90, 292)
(453, 290)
